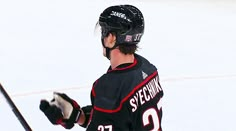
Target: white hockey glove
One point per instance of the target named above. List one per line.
(61, 110)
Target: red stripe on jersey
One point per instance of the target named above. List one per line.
(93, 92)
(131, 93)
(124, 68)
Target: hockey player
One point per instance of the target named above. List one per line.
(128, 96)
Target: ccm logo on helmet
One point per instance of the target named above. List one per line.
(120, 15)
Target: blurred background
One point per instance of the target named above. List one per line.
(49, 45)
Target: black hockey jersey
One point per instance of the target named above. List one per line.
(127, 98)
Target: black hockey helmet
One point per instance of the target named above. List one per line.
(126, 21)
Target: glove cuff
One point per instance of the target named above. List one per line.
(75, 115)
(69, 123)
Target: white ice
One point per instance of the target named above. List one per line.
(49, 45)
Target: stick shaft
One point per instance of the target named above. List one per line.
(14, 109)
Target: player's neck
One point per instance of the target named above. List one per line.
(118, 58)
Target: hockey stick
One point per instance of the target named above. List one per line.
(14, 109)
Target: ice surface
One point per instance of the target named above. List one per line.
(48, 46)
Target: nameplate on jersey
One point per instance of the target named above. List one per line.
(145, 94)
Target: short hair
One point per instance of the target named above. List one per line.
(128, 49)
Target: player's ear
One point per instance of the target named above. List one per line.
(111, 40)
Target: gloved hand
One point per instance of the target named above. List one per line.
(61, 110)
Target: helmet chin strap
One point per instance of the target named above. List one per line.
(108, 50)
